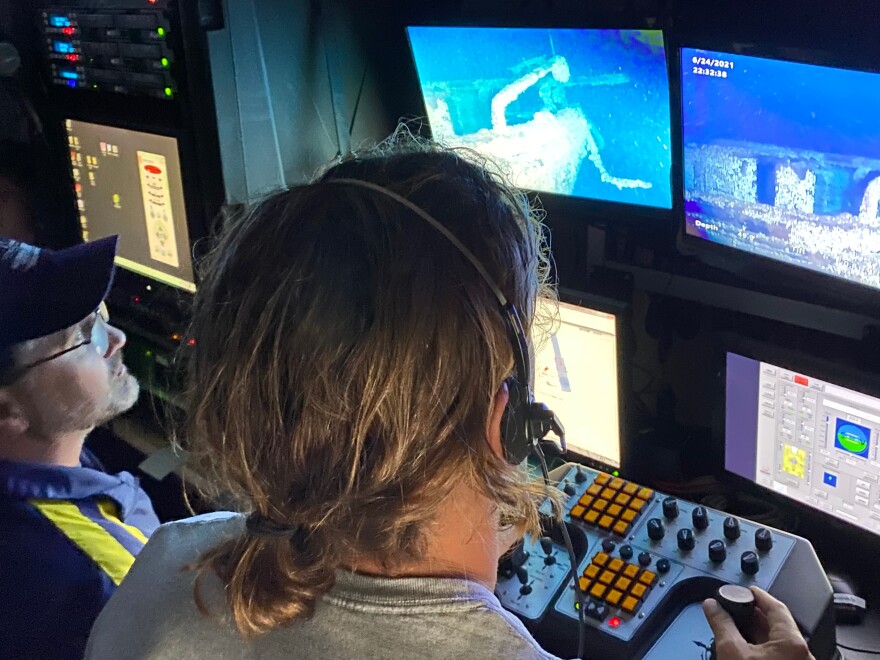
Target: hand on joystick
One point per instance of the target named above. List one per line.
(774, 632)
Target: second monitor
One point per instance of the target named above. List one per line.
(578, 376)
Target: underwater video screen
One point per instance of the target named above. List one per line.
(782, 159)
(573, 112)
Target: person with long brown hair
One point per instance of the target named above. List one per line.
(347, 388)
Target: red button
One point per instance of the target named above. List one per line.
(614, 622)
(802, 380)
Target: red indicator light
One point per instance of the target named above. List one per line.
(68, 31)
(191, 342)
(614, 622)
(137, 299)
(152, 169)
(72, 58)
(802, 380)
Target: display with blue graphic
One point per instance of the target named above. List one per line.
(574, 112)
(782, 159)
(852, 438)
(830, 480)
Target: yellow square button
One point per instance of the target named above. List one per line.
(615, 565)
(621, 527)
(586, 500)
(631, 571)
(605, 522)
(628, 516)
(591, 571)
(630, 488)
(613, 597)
(630, 604)
(647, 578)
(646, 493)
(622, 499)
(600, 559)
(598, 590)
(602, 479)
(616, 483)
(639, 591)
(600, 505)
(584, 584)
(637, 505)
(591, 517)
(595, 489)
(577, 511)
(614, 510)
(608, 494)
(607, 578)
(623, 583)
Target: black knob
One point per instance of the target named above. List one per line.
(717, 551)
(522, 574)
(626, 552)
(749, 563)
(700, 518)
(739, 603)
(663, 565)
(670, 508)
(580, 476)
(568, 488)
(763, 540)
(549, 560)
(546, 545)
(686, 540)
(731, 528)
(656, 530)
(608, 546)
(645, 558)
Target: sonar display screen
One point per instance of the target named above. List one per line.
(782, 159)
(583, 113)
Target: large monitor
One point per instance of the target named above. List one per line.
(576, 375)
(573, 112)
(129, 183)
(803, 437)
(782, 159)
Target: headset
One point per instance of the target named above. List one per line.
(525, 422)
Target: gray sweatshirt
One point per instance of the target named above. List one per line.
(153, 614)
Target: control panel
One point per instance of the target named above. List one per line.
(644, 558)
(124, 49)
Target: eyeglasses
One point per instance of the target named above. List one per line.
(99, 339)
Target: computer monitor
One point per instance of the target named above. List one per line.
(574, 112)
(808, 439)
(782, 160)
(129, 183)
(576, 375)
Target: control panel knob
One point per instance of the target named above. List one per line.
(749, 563)
(670, 508)
(608, 546)
(731, 528)
(645, 558)
(568, 488)
(580, 476)
(739, 603)
(763, 540)
(547, 547)
(656, 530)
(523, 576)
(700, 518)
(663, 565)
(717, 551)
(626, 552)
(686, 540)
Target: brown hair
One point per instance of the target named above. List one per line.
(347, 361)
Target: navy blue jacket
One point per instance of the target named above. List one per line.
(68, 535)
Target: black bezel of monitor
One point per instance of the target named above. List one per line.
(758, 272)
(798, 362)
(600, 212)
(622, 316)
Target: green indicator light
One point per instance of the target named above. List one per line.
(165, 62)
(161, 32)
(149, 353)
(168, 91)
(616, 473)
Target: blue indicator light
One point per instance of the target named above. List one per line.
(70, 75)
(62, 47)
(58, 21)
(71, 83)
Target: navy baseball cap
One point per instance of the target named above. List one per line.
(43, 291)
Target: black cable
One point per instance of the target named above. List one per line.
(852, 648)
(579, 595)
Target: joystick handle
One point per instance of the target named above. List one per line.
(739, 603)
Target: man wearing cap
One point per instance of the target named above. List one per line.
(68, 530)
